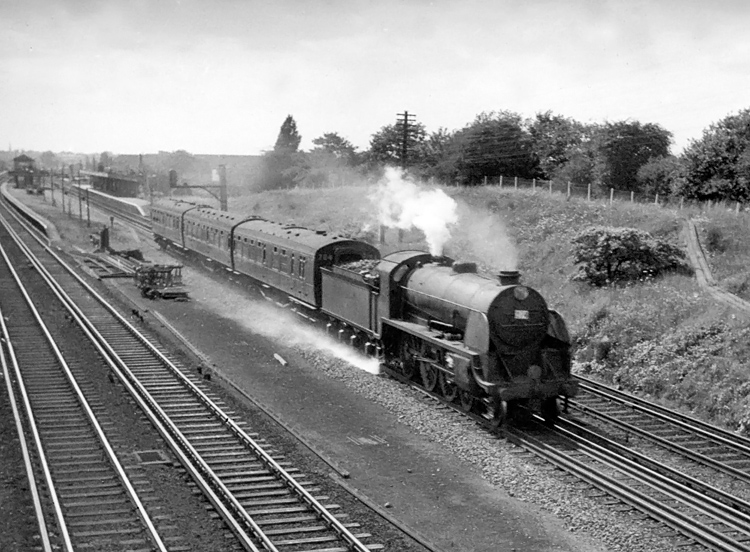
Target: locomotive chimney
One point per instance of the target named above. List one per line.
(441, 260)
(509, 277)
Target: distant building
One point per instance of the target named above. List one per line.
(113, 184)
(24, 169)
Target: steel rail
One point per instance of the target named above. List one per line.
(97, 202)
(39, 512)
(663, 442)
(333, 522)
(114, 461)
(97, 341)
(330, 520)
(678, 419)
(693, 497)
(638, 500)
(705, 535)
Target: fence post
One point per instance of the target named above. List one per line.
(632, 196)
(568, 188)
(611, 195)
(485, 181)
(682, 200)
(515, 182)
(533, 183)
(737, 207)
(501, 181)
(656, 201)
(588, 196)
(550, 187)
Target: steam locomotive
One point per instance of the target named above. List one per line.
(489, 344)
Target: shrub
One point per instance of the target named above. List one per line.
(715, 241)
(611, 255)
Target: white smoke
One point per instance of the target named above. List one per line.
(403, 204)
(486, 236)
(264, 318)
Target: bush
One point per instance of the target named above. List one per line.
(611, 255)
(715, 240)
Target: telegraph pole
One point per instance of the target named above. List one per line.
(404, 122)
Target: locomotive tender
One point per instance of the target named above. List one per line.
(488, 343)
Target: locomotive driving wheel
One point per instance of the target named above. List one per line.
(408, 364)
(497, 411)
(466, 400)
(430, 375)
(448, 387)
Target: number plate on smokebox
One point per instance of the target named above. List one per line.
(522, 315)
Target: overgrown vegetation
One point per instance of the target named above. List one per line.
(615, 255)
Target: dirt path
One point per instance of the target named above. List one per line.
(703, 271)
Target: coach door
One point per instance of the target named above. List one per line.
(292, 279)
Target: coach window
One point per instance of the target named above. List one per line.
(291, 265)
(302, 263)
(263, 246)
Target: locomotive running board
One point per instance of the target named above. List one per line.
(430, 336)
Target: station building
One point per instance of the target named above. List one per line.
(113, 184)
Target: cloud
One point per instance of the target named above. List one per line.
(178, 68)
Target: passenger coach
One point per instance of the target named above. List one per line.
(287, 258)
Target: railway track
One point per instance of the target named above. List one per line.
(266, 503)
(92, 500)
(685, 443)
(112, 207)
(716, 517)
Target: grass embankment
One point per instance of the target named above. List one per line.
(665, 339)
(725, 237)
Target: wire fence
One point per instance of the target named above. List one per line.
(609, 195)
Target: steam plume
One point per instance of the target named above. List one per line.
(403, 204)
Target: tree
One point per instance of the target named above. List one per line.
(438, 156)
(386, 145)
(661, 175)
(49, 160)
(495, 144)
(288, 140)
(280, 165)
(105, 161)
(625, 147)
(334, 145)
(583, 166)
(717, 166)
(555, 140)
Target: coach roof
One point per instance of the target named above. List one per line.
(295, 237)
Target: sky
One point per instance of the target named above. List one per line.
(220, 76)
